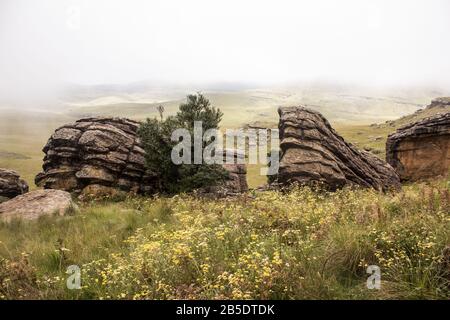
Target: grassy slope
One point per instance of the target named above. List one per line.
(298, 245)
(25, 133)
(374, 136)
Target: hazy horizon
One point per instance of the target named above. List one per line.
(51, 43)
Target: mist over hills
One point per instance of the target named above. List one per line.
(244, 103)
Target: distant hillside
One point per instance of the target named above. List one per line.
(133, 110)
(438, 105)
(337, 103)
(373, 137)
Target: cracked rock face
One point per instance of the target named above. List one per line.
(11, 185)
(101, 152)
(421, 150)
(312, 152)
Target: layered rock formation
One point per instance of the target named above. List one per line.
(441, 102)
(421, 150)
(34, 204)
(96, 155)
(237, 175)
(312, 152)
(11, 185)
(237, 182)
(103, 156)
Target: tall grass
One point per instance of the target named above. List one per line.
(299, 244)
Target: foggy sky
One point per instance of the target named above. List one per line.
(46, 43)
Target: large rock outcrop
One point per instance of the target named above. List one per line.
(421, 150)
(96, 155)
(103, 156)
(312, 152)
(11, 185)
(36, 203)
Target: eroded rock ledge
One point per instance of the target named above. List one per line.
(421, 150)
(312, 152)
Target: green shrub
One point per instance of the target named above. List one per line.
(156, 139)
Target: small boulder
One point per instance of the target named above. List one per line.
(37, 203)
(11, 185)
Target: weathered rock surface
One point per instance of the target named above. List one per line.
(312, 152)
(103, 152)
(237, 175)
(11, 185)
(34, 204)
(421, 150)
(441, 102)
(237, 182)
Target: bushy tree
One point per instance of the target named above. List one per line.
(198, 108)
(156, 139)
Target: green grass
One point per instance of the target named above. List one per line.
(254, 177)
(25, 133)
(50, 244)
(373, 137)
(301, 244)
(366, 137)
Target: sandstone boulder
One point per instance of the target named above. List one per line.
(34, 204)
(312, 152)
(105, 152)
(421, 150)
(11, 185)
(237, 182)
(237, 176)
